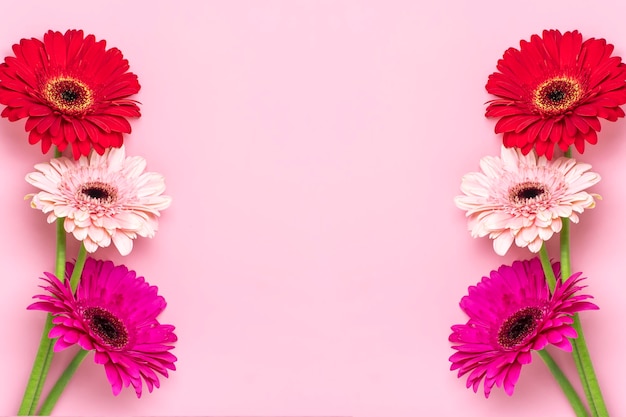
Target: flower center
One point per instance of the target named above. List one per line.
(68, 95)
(97, 192)
(518, 326)
(557, 95)
(527, 192)
(109, 328)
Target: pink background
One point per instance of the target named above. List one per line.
(313, 258)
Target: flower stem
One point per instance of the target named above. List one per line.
(566, 386)
(78, 267)
(44, 354)
(547, 267)
(580, 350)
(59, 386)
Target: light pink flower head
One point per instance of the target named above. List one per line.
(103, 198)
(522, 198)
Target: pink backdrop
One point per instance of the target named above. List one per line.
(313, 258)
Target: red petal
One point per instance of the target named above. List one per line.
(110, 123)
(570, 48)
(46, 144)
(55, 129)
(69, 132)
(55, 47)
(580, 124)
(593, 122)
(31, 123)
(34, 137)
(557, 132)
(551, 40)
(38, 110)
(81, 134)
(544, 133)
(541, 147)
(128, 110)
(84, 147)
(586, 110)
(45, 123)
(570, 128)
(591, 137)
(580, 144)
(92, 132)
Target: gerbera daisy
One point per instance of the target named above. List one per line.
(553, 90)
(522, 198)
(114, 313)
(72, 90)
(512, 312)
(103, 198)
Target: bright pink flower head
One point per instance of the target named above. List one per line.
(512, 312)
(114, 313)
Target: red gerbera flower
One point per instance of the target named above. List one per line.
(553, 90)
(72, 90)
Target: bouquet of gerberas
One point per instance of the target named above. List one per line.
(74, 94)
(550, 95)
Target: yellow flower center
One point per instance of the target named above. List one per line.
(68, 95)
(557, 95)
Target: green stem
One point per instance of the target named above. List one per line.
(40, 366)
(566, 261)
(78, 267)
(594, 394)
(59, 386)
(43, 358)
(566, 386)
(580, 350)
(547, 267)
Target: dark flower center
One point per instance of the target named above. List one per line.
(97, 192)
(518, 326)
(110, 329)
(557, 95)
(68, 95)
(527, 192)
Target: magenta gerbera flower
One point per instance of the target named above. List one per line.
(114, 313)
(512, 312)
(522, 198)
(102, 198)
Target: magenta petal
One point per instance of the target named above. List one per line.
(61, 345)
(114, 312)
(511, 312)
(524, 358)
(512, 378)
(114, 378)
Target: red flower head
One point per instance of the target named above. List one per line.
(72, 91)
(553, 90)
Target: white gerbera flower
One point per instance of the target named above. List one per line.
(522, 198)
(103, 198)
